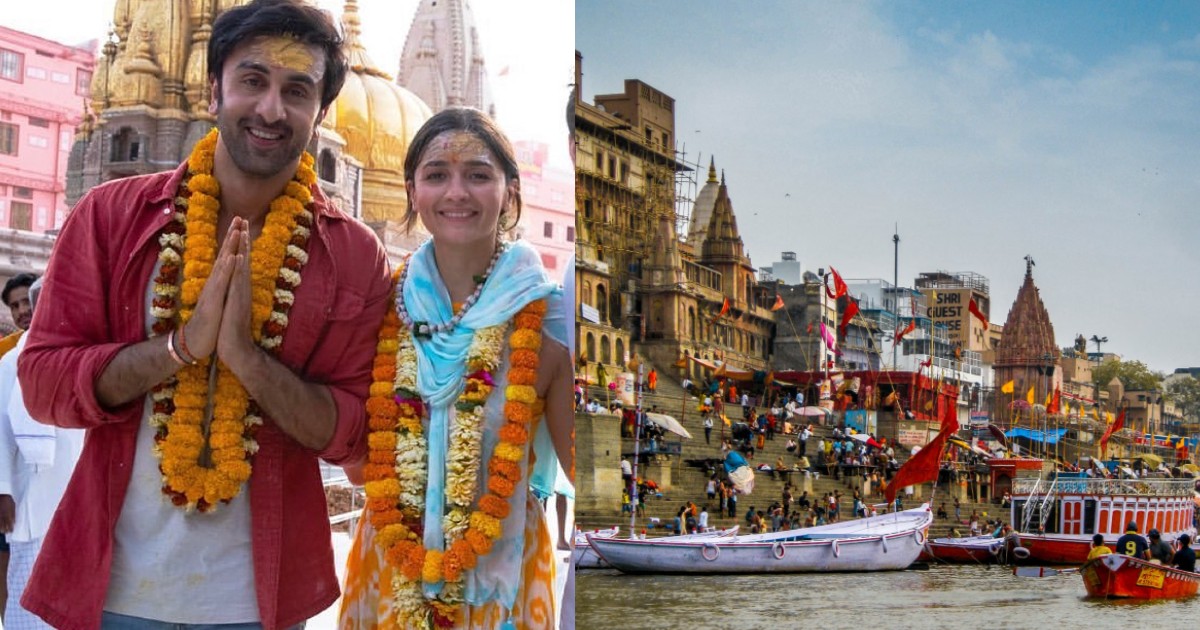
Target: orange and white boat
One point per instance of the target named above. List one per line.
(1120, 576)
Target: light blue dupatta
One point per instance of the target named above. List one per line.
(517, 279)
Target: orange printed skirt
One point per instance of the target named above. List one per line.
(367, 593)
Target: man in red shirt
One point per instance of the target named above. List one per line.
(213, 328)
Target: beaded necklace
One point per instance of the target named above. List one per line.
(425, 329)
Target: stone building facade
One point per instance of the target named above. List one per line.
(640, 282)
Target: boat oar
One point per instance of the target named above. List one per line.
(1041, 571)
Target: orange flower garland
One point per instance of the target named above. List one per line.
(395, 511)
(189, 244)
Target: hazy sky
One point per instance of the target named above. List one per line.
(1069, 131)
(532, 38)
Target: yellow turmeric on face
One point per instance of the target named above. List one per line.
(285, 52)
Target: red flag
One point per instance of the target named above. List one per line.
(839, 287)
(810, 328)
(778, 303)
(1055, 402)
(847, 316)
(1112, 428)
(724, 309)
(919, 468)
(974, 308)
(912, 325)
(949, 415)
(927, 362)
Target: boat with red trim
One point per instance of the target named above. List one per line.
(1057, 515)
(1117, 575)
(963, 550)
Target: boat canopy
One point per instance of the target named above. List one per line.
(1049, 437)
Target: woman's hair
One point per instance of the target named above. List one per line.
(478, 124)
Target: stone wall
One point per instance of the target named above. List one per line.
(597, 462)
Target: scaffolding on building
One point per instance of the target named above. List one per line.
(685, 191)
(953, 280)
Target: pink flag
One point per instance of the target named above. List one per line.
(828, 336)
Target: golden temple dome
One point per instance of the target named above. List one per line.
(377, 118)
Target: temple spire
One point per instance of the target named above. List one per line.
(712, 170)
(356, 53)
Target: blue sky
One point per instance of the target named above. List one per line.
(1069, 131)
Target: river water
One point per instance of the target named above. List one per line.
(956, 597)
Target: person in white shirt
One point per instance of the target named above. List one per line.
(708, 424)
(702, 523)
(36, 462)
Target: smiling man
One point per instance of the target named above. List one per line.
(213, 327)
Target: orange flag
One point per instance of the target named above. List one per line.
(839, 286)
(848, 315)
(1112, 428)
(912, 325)
(724, 310)
(778, 303)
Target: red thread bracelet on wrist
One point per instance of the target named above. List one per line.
(183, 349)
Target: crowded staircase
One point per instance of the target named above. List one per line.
(697, 460)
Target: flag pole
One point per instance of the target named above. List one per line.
(637, 436)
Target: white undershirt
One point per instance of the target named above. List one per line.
(174, 566)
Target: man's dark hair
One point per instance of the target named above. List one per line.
(17, 281)
(272, 18)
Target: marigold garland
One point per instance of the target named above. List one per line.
(189, 245)
(395, 494)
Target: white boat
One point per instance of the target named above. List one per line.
(585, 557)
(879, 543)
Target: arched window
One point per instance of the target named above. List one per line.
(327, 166)
(691, 324)
(605, 350)
(591, 347)
(620, 354)
(587, 293)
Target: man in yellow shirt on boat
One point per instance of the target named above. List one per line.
(1098, 547)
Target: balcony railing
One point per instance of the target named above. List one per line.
(1113, 487)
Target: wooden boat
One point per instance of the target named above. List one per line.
(964, 550)
(879, 543)
(584, 557)
(1119, 576)
(1055, 517)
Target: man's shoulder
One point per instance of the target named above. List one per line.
(131, 188)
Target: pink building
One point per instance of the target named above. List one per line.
(43, 88)
(548, 215)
